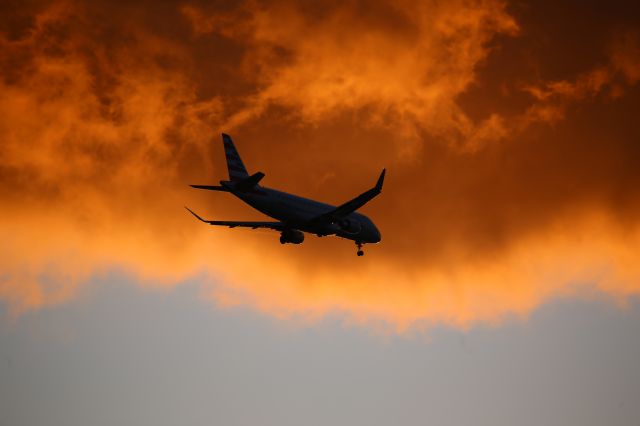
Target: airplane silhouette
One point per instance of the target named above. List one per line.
(295, 215)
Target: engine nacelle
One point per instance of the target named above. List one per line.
(292, 236)
(350, 226)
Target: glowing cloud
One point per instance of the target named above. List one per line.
(504, 190)
(404, 62)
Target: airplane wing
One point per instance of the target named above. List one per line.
(353, 205)
(278, 226)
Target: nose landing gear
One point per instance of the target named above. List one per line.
(359, 252)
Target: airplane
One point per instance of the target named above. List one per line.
(295, 215)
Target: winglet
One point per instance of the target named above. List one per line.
(194, 213)
(381, 180)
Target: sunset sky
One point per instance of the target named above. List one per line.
(510, 215)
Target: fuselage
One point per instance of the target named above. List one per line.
(299, 213)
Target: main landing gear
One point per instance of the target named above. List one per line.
(359, 252)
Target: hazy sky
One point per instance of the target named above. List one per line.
(505, 287)
(121, 355)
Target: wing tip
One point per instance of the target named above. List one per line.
(195, 214)
(381, 180)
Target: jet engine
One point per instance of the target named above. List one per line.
(350, 226)
(292, 236)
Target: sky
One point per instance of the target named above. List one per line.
(510, 215)
(130, 356)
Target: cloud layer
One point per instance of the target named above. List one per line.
(512, 164)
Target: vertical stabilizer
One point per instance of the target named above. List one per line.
(237, 171)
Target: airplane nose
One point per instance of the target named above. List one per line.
(376, 235)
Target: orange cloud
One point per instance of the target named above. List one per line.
(563, 260)
(403, 62)
(107, 113)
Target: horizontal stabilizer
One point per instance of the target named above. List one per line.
(210, 187)
(250, 182)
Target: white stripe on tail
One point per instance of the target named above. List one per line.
(237, 171)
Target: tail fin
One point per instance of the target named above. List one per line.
(237, 171)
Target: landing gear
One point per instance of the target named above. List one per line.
(359, 252)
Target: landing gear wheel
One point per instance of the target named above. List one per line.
(282, 241)
(360, 253)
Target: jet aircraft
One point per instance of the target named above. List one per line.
(295, 215)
